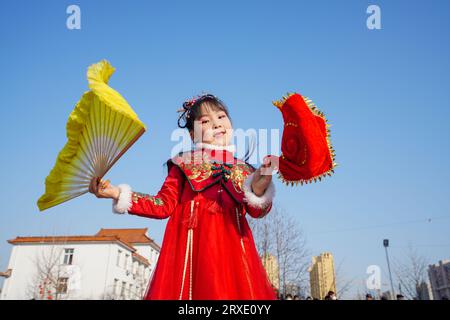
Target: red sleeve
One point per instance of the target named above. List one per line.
(159, 206)
(257, 206)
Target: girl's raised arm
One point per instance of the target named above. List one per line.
(257, 206)
(159, 206)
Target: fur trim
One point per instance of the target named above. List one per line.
(122, 205)
(230, 148)
(252, 199)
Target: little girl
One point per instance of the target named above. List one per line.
(208, 251)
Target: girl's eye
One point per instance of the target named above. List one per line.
(222, 116)
(205, 121)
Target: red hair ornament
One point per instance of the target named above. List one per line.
(306, 151)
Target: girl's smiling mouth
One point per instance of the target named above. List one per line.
(219, 134)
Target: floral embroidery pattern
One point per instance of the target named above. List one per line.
(156, 201)
(238, 174)
(200, 171)
(197, 164)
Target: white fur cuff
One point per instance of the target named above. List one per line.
(122, 205)
(252, 199)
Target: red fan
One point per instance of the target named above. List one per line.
(307, 154)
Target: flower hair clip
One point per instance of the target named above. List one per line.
(190, 103)
(187, 105)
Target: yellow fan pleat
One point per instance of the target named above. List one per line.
(100, 130)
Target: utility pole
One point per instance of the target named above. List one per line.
(386, 245)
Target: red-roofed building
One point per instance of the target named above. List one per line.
(112, 264)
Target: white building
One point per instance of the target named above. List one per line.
(112, 264)
(440, 279)
(424, 291)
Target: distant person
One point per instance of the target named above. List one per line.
(296, 297)
(331, 296)
(400, 297)
(369, 296)
(288, 296)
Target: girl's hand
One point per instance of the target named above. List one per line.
(263, 176)
(103, 189)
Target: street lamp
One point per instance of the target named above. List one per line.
(386, 245)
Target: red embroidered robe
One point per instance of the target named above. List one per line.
(208, 251)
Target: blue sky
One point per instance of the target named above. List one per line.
(385, 93)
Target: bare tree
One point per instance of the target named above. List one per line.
(358, 294)
(278, 234)
(411, 273)
(343, 284)
(50, 280)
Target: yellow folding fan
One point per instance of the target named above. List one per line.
(100, 130)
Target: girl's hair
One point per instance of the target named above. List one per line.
(192, 109)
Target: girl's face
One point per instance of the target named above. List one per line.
(212, 126)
